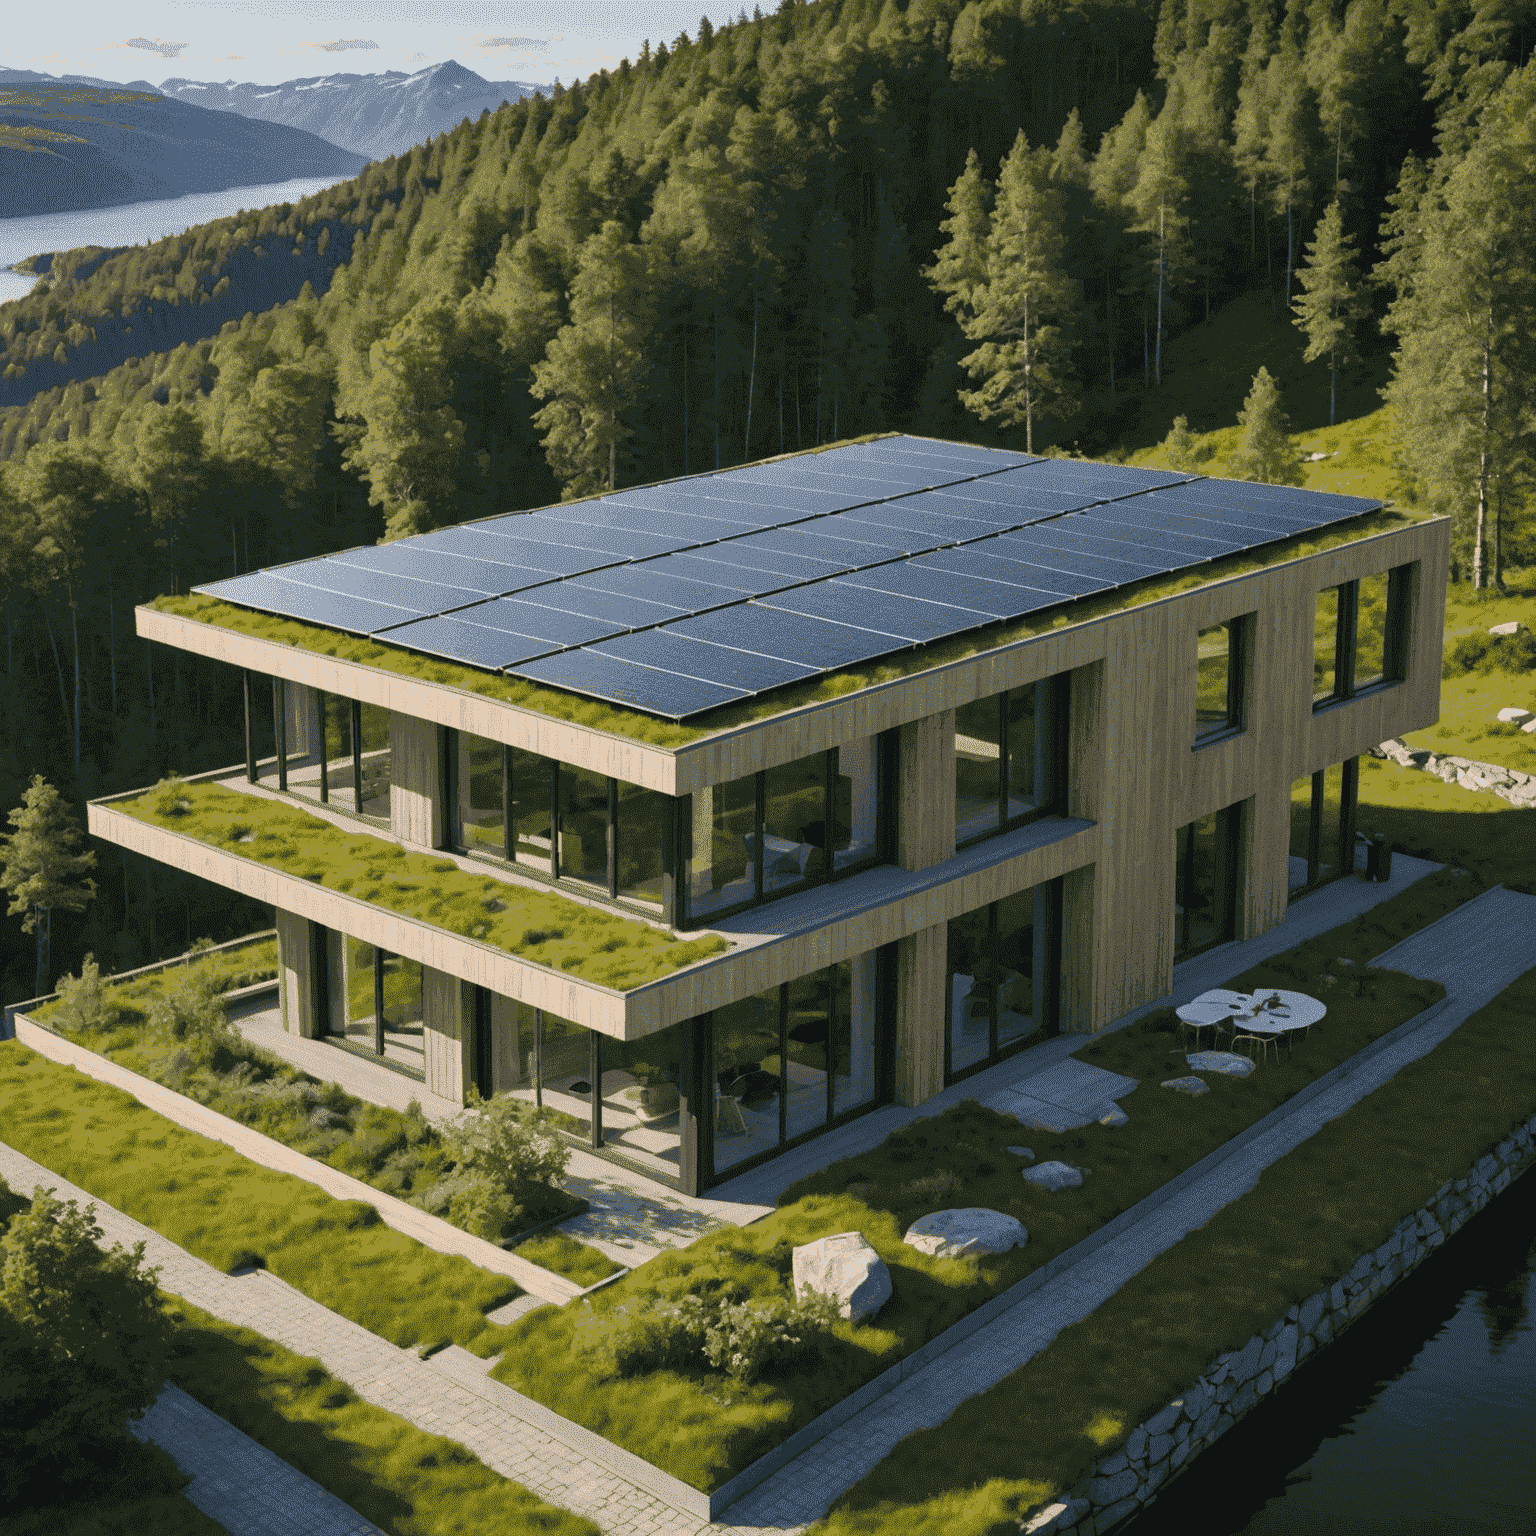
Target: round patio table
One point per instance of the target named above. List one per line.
(1292, 1011)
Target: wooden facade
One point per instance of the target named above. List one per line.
(1134, 776)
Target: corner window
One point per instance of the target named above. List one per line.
(1010, 758)
(768, 834)
(1219, 668)
(1360, 636)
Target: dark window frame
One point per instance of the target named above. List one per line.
(1047, 947)
(1228, 866)
(1240, 645)
(885, 839)
(1344, 833)
(1395, 641)
(1057, 691)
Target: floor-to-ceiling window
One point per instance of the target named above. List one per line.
(1002, 977)
(1323, 811)
(1205, 882)
(372, 1002)
(1010, 758)
(326, 748)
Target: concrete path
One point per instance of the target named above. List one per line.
(244, 1486)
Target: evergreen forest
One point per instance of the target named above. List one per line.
(979, 219)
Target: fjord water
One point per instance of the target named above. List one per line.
(133, 223)
(1421, 1419)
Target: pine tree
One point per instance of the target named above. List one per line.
(1265, 452)
(39, 868)
(1180, 449)
(1024, 310)
(1330, 308)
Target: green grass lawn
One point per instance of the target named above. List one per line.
(1024, 1441)
(597, 946)
(404, 1480)
(702, 1430)
(565, 1256)
(230, 1212)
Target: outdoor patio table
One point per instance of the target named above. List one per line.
(1293, 1011)
(1200, 1015)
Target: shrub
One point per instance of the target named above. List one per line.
(190, 1009)
(514, 1149)
(84, 1340)
(742, 1338)
(83, 1004)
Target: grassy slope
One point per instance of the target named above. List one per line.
(1036, 1432)
(545, 928)
(228, 1211)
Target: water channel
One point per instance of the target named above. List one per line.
(1421, 1419)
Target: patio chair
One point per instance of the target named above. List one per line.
(1262, 1042)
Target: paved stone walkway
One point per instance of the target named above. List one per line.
(244, 1486)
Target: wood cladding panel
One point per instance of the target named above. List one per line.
(925, 816)
(921, 972)
(296, 976)
(415, 781)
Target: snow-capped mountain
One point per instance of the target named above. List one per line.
(374, 115)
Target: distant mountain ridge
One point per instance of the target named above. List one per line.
(65, 145)
(373, 115)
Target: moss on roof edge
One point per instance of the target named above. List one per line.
(632, 725)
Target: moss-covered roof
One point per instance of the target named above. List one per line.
(635, 726)
(539, 926)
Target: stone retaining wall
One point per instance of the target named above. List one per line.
(1507, 783)
(1118, 1486)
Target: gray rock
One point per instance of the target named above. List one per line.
(965, 1232)
(1113, 1466)
(1136, 1444)
(1206, 1422)
(1311, 1311)
(1246, 1366)
(1164, 1419)
(1114, 1116)
(844, 1265)
(1193, 1086)
(1023, 1152)
(1108, 1490)
(1197, 1400)
(1180, 1451)
(1053, 1176)
(1265, 1384)
(1285, 1360)
(1227, 1062)
(1158, 1447)
(1151, 1478)
(1115, 1513)
(1511, 628)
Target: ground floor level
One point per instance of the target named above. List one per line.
(711, 1096)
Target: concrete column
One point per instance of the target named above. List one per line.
(296, 979)
(447, 1007)
(925, 815)
(416, 781)
(921, 1013)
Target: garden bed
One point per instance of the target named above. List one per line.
(702, 1428)
(164, 1025)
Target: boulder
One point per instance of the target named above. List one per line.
(845, 1266)
(1023, 1152)
(965, 1232)
(1114, 1116)
(1190, 1085)
(1514, 715)
(1528, 727)
(1053, 1176)
(1511, 628)
(1228, 1062)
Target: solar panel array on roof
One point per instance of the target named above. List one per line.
(677, 598)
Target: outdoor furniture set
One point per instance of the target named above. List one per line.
(1259, 1020)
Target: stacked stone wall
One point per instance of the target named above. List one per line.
(1118, 1486)
(1483, 778)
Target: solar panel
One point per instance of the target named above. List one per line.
(625, 682)
(519, 617)
(620, 611)
(678, 597)
(645, 581)
(375, 586)
(817, 643)
(690, 657)
(986, 560)
(958, 589)
(291, 600)
(470, 643)
(907, 618)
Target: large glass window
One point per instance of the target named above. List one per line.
(1219, 680)
(1002, 977)
(402, 1013)
(750, 1116)
(1360, 635)
(528, 795)
(721, 862)
(563, 1061)
(478, 795)
(642, 829)
(583, 826)
(1008, 758)
(319, 732)
(794, 823)
(371, 722)
(362, 1001)
(1205, 886)
(642, 1098)
(1323, 840)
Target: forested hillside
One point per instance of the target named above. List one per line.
(789, 230)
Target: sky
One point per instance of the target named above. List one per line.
(269, 41)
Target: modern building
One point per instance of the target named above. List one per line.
(952, 748)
